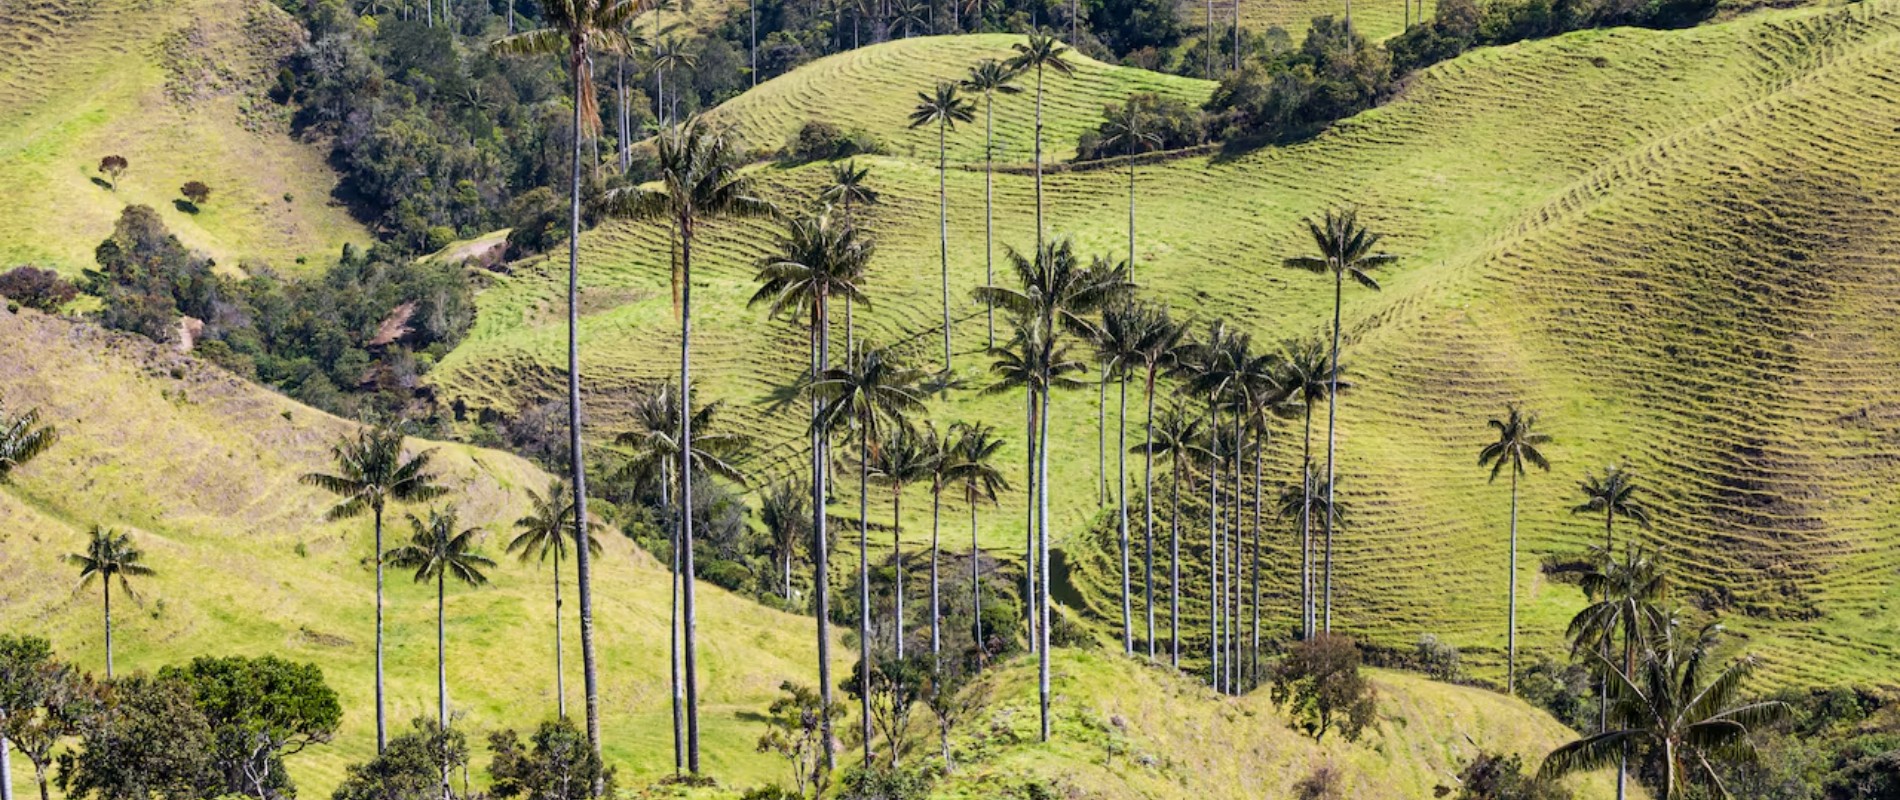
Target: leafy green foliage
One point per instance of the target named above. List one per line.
(41, 289)
(1319, 683)
(557, 764)
(818, 140)
(151, 740)
(1496, 776)
(1165, 123)
(795, 726)
(43, 702)
(259, 711)
(410, 768)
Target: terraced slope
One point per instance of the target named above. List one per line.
(874, 88)
(202, 468)
(177, 88)
(1125, 731)
(1676, 245)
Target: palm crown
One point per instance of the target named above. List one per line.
(873, 390)
(1305, 371)
(1040, 51)
(1613, 495)
(21, 439)
(991, 76)
(436, 550)
(1057, 290)
(109, 554)
(1517, 444)
(817, 258)
(848, 185)
(371, 472)
(1346, 249)
(942, 106)
(972, 462)
(654, 438)
(579, 29)
(544, 530)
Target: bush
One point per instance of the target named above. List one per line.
(1493, 776)
(1438, 659)
(36, 288)
(410, 768)
(823, 141)
(1319, 683)
(196, 192)
(557, 765)
(1173, 122)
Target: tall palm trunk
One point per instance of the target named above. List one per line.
(1510, 675)
(6, 771)
(943, 235)
(989, 206)
(1213, 572)
(976, 584)
(1042, 533)
(864, 582)
(936, 632)
(1332, 443)
(1121, 502)
(1306, 527)
(1253, 660)
(753, 7)
(1039, 226)
(1233, 562)
(897, 561)
(1130, 273)
(576, 469)
(108, 587)
(1148, 511)
(382, 728)
(442, 670)
(1031, 600)
(621, 118)
(560, 674)
(673, 621)
(686, 497)
(1174, 565)
(821, 560)
(1101, 438)
(1207, 42)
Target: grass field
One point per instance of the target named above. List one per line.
(202, 468)
(1128, 731)
(1559, 205)
(177, 89)
(874, 89)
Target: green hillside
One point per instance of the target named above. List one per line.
(178, 89)
(202, 468)
(1129, 731)
(874, 89)
(1559, 205)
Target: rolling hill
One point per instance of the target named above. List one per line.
(201, 467)
(1677, 246)
(178, 89)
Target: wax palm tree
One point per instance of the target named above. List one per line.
(653, 459)
(371, 473)
(1040, 52)
(1345, 249)
(872, 393)
(1119, 346)
(669, 54)
(971, 462)
(1019, 364)
(109, 554)
(944, 108)
(577, 29)
(437, 551)
(1176, 435)
(1056, 295)
(817, 260)
(544, 535)
(1125, 129)
(22, 439)
(1307, 377)
(786, 512)
(1672, 707)
(1265, 397)
(1158, 341)
(1612, 495)
(1626, 599)
(848, 187)
(939, 459)
(990, 78)
(1517, 444)
(699, 181)
(899, 458)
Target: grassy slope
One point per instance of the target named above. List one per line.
(874, 88)
(1558, 203)
(176, 88)
(1128, 731)
(202, 467)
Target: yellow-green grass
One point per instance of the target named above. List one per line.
(1673, 245)
(201, 468)
(1374, 19)
(874, 89)
(1124, 730)
(178, 90)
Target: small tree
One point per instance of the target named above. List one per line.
(408, 766)
(260, 710)
(895, 687)
(112, 167)
(795, 729)
(152, 741)
(952, 698)
(1320, 685)
(558, 764)
(196, 193)
(35, 288)
(42, 702)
